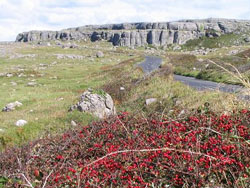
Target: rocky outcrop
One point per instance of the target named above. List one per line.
(141, 34)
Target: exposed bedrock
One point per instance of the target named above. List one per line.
(141, 34)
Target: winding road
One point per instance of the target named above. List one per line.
(150, 64)
(153, 63)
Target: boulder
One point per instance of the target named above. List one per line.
(2, 74)
(150, 101)
(11, 106)
(73, 123)
(99, 54)
(9, 75)
(122, 89)
(31, 84)
(247, 39)
(98, 103)
(21, 123)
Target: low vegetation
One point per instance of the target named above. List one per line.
(203, 149)
(202, 68)
(215, 42)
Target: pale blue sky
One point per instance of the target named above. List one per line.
(23, 15)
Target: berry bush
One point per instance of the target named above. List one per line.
(202, 150)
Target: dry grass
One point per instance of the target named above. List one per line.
(236, 73)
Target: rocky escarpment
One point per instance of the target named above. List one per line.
(141, 34)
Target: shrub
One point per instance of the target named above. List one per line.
(128, 151)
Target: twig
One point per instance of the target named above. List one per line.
(149, 150)
(22, 174)
(29, 184)
(210, 130)
(45, 182)
(123, 126)
(243, 80)
(78, 180)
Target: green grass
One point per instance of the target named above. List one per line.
(45, 106)
(168, 92)
(216, 42)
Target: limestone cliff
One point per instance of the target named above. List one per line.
(141, 34)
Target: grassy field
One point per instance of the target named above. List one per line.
(59, 83)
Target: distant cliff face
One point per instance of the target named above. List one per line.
(141, 34)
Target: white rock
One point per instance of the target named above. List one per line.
(122, 88)
(1, 130)
(13, 83)
(31, 84)
(73, 123)
(21, 75)
(2, 74)
(11, 106)
(99, 54)
(9, 75)
(150, 101)
(21, 123)
(100, 105)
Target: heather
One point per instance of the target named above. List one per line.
(202, 149)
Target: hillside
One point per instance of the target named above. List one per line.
(100, 106)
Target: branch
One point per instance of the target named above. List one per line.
(243, 80)
(45, 182)
(149, 150)
(29, 184)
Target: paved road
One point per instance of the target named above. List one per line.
(207, 85)
(152, 63)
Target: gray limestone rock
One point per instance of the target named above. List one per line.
(100, 105)
(99, 54)
(150, 101)
(73, 123)
(31, 84)
(11, 106)
(21, 123)
(247, 39)
(142, 34)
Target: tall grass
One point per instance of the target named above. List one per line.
(236, 73)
